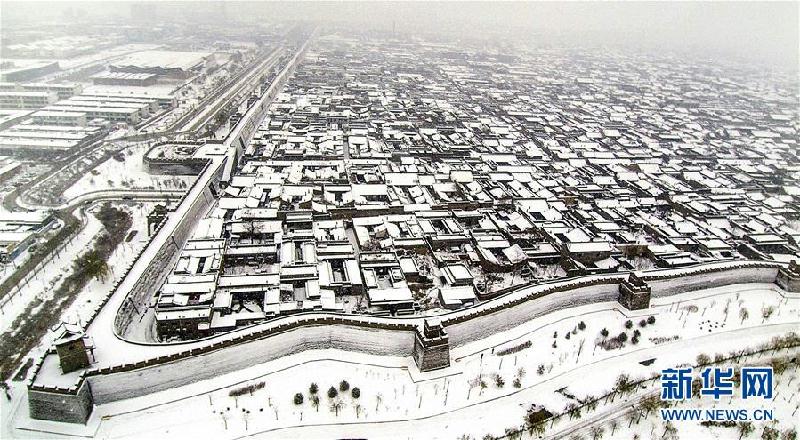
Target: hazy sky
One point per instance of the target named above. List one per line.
(757, 32)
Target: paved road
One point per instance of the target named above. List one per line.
(245, 82)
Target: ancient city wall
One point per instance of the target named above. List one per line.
(124, 385)
(167, 254)
(381, 336)
(187, 166)
(483, 325)
(395, 336)
(193, 365)
(705, 278)
(175, 167)
(64, 407)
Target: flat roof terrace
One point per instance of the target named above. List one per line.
(162, 59)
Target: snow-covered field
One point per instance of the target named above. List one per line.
(128, 174)
(397, 401)
(784, 405)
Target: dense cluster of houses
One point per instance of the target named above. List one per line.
(395, 179)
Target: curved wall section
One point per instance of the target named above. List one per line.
(483, 326)
(125, 385)
(157, 368)
(710, 278)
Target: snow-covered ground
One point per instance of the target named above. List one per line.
(397, 401)
(784, 405)
(50, 276)
(123, 255)
(11, 266)
(53, 274)
(128, 174)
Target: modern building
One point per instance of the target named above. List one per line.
(26, 70)
(18, 230)
(63, 91)
(125, 79)
(46, 139)
(163, 99)
(46, 117)
(162, 63)
(147, 105)
(11, 117)
(27, 100)
(129, 115)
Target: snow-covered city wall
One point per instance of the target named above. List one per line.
(708, 279)
(189, 369)
(70, 408)
(174, 158)
(175, 167)
(186, 368)
(140, 294)
(386, 336)
(484, 325)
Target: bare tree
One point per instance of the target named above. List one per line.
(670, 431)
(246, 418)
(337, 406)
(631, 415)
(224, 419)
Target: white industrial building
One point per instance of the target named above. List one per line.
(27, 100)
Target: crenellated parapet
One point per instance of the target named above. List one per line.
(61, 405)
(789, 277)
(426, 339)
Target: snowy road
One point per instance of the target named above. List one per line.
(113, 194)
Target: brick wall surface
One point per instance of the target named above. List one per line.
(70, 408)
